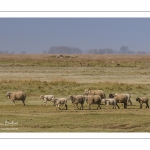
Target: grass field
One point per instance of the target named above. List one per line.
(46, 74)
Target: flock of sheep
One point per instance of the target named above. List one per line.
(90, 96)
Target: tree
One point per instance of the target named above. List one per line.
(124, 50)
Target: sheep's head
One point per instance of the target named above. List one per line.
(86, 92)
(41, 96)
(111, 95)
(70, 97)
(137, 99)
(8, 94)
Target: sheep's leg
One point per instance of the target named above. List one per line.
(147, 106)
(11, 102)
(118, 106)
(82, 106)
(99, 106)
(74, 106)
(54, 103)
(77, 106)
(107, 106)
(125, 105)
(59, 107)
(23, 102)
(44, 102)
(114, 106)
(89, 106)
(14, 102)
(130, 102)
(66, 106)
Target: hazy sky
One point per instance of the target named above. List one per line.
(35, 35)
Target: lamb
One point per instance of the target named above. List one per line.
(111, 101)
(60, 101)
(77, 99)
(143, 100)
(47, 98)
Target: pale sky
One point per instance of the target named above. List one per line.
(35, 35)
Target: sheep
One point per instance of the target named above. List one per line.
(95, 92)
(60, 101)
(128, 97)
(143, 100)
(120, 98)
(111, 101)
(19, 95)
(77, 99)
(47, 98)
(94, 99)
(59, 56)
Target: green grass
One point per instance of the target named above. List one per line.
(36, 118)
(44, 74)
(63, 88)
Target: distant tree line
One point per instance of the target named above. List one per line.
(123, 50)
(6, 52)
(3, 52)
(74, 50)
(101, 51)
(64, 50)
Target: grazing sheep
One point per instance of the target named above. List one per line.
(76, 100)
(143, 100)
(60, 101)
(59, 56)
(19, 95)
(95, 92)
(128, 96)
(111, 101)
(47, 98)
(94, 99)
(120, 98)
